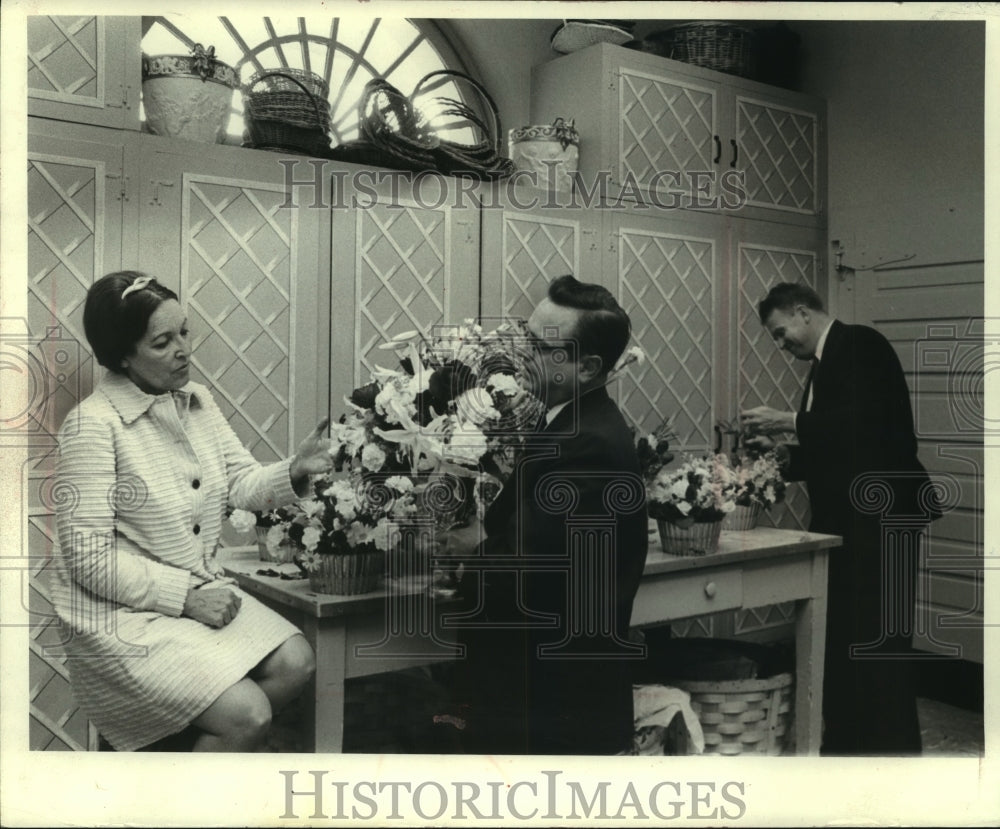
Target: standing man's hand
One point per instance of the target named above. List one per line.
(767, 421)
(313, 456)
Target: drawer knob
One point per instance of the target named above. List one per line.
(710, 590)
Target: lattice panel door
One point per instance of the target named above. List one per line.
(778, 150)
(402, 279)
(74, 235)
(666, 283)
(77, 67)
(766, 375)
(238, 269)
(666, 126)
(535, 251)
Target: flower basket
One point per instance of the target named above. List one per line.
(188, 96)
(283, 555)
(348, 574)
(742, 518)
(700, 538)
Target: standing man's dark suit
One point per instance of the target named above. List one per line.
(857, 451)
(861, 422)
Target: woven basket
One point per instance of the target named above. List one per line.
(348, 574)
(742, 519)
(289, 113)
(740, 716)
(699, 539)
(723, 47)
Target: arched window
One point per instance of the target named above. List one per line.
(346, 52)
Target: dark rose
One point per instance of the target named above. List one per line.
(448, 382)
(365, 395)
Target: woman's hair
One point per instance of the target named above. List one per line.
(602, 328)
(785, 296)
(113, 323)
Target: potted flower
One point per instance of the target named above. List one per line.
(273, 547)
(759, 485)
(689, 502)
(188, 96)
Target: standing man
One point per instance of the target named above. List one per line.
(547, 668)
(854, 428)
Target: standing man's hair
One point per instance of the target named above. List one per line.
(785, 296)
(603, 328)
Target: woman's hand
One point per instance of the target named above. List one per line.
(313, 456)
(214, 606)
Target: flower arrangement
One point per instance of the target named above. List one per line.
(702, 489)
(759, 480)
(653, 449)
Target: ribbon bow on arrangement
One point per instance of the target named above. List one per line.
(203, 59)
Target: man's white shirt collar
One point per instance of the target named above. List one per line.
(550, 415)
(822, 340)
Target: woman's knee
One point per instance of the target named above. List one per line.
(242, 710)
(294, 660)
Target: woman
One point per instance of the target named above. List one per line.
(159, 638)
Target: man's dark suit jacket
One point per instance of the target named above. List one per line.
(861, 422)
(578, 484)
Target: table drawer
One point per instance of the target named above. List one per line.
(681, 595)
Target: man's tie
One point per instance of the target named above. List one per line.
(807, 398)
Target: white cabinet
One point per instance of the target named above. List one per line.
(85, 69)
(674, 134)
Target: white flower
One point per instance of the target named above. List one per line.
(372, 457)
(399, 483)
(504, 384)
(476, 406)
(380, 534)
(636, 355)
(467, 446)
(357, 534)
(311, 537)
(311, 507)
(242, 520)
(275, 538)
(311, 561)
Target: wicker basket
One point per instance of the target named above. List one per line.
(290, 112)
(723, 47)
(742, 519)
(701, 538)
(348, 574)
(740, 716)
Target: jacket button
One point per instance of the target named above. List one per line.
(195, 483)
(196, 529)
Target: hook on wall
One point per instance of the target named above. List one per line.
(841, 269)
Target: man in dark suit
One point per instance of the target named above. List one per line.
(857, 452)
(547, 668)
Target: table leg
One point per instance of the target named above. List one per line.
(325, 725)
(810, 650)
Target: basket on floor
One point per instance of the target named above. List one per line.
(287, 110)
(739, 716)
(724, 47)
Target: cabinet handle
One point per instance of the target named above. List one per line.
(710, 590)
(718, 149)
(736, 152)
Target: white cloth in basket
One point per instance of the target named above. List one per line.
(655, 707)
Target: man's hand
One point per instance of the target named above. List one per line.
(460, 541)
(214, 606)
(767, 421)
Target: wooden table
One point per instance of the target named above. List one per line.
(390, 630)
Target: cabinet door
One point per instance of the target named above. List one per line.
(668, 280)
(524, 248)
(666, 135)
(74, 192)
(85, 69)
(776, 140)
(215, 227)
(405, 256)
(763, 255)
